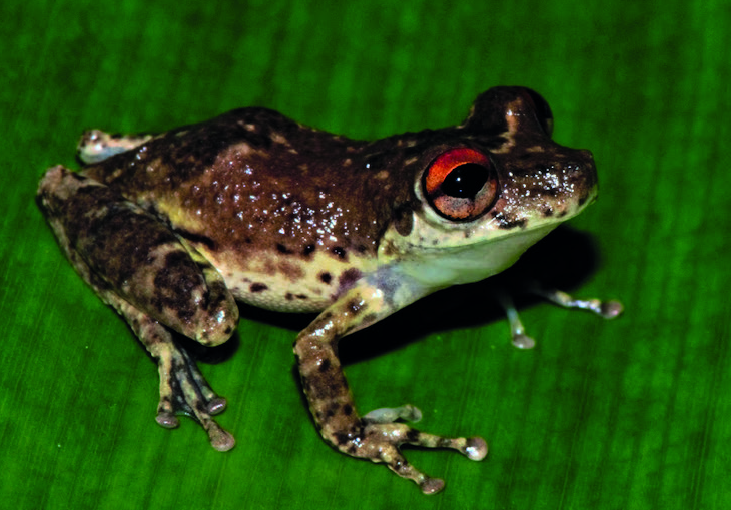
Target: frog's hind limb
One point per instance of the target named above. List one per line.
(375, 436)
(140, 268)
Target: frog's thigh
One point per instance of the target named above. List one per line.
(372, 437)
(121, 250)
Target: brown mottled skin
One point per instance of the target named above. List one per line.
(169, 229)
(203, 169)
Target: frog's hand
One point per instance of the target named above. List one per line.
(95, 146)
(608, 309)
(375, 436)
(139, 267)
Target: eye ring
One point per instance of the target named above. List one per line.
(461, 184)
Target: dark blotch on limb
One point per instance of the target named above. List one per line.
(355, 306)
(324, 366)
(349, 277)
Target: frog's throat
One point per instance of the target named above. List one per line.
(441, 267)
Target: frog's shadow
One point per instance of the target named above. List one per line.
(563, 260)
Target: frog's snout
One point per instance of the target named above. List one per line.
(582, 170)
(583, 162)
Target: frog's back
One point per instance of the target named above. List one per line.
(272, 204)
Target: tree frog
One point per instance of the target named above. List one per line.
(171, 229)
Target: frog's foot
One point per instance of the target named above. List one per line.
(381, 442)
(183, 390)
(96, 146)
(392, 414)
(606, 309)
(517, 331)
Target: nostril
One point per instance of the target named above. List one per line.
(573, 168)
(581, 163)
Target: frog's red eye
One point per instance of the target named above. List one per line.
(461, 184)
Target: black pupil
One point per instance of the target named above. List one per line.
(465, 181)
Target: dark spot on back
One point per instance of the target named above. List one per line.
(340, 252)
(307, 250)
(283, 249)
(325, 277)
(291, 271)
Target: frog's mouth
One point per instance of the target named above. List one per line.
(536, 213)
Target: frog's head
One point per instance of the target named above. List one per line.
(488, 190)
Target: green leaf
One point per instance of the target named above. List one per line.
(633, 413)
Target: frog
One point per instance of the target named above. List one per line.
(172, 229)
